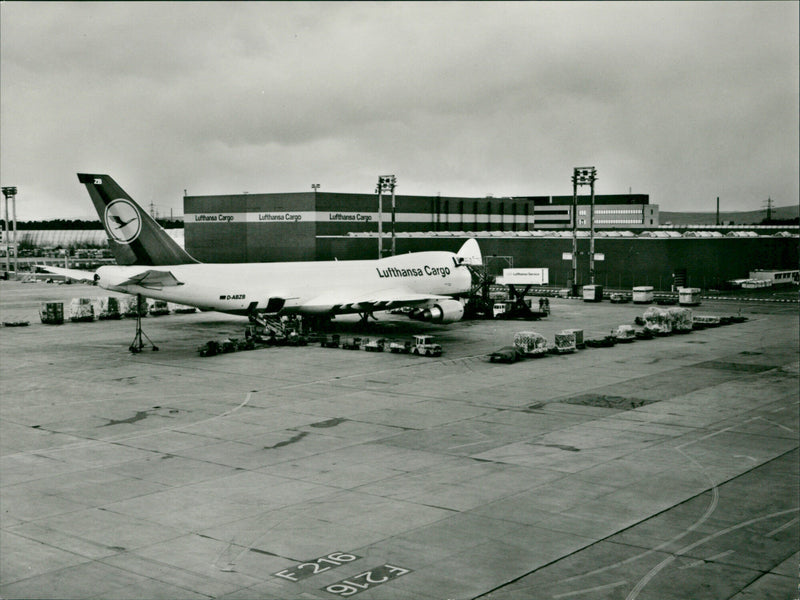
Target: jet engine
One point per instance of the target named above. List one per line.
(445, 311)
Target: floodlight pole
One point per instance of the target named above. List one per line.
(7, 234)
(582, 176)
(386, 183)
(592, 178)
(393, 184)
(574, 279)
(11, 192)
(379, 191)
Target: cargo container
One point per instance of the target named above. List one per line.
(565, 342)
(643, 294)
(129, 305)
(107, 307)
(530, 343)
(592, 293)
(657, 321)
(579, 343)
(688, 296)
(81, 310)
(158, 307)
(681, 319)
(52, 313)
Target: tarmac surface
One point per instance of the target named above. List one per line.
(654, 470)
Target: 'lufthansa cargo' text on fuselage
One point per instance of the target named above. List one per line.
(413, 272)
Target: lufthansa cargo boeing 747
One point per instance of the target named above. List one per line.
(150, 263)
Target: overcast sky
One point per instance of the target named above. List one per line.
(683, 101)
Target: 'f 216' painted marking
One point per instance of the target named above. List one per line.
(366, 580)
(316, 566)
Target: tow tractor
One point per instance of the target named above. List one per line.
(425, 346)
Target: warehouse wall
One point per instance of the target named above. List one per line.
(628, 262)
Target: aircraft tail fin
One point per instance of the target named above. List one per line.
(133, 236)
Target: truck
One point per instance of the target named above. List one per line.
(425, 346)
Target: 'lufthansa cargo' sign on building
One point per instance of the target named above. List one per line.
(283, 217)
(309, 216)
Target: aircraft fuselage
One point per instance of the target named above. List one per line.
(306, 287)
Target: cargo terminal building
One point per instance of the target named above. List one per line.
(295, 226)
(519, 232)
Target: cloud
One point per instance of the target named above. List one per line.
(684, 101)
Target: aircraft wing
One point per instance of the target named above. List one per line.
(378, 300)
(151, 279)
(76, 274)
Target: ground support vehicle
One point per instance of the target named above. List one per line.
(625, 334)
(353, 343)
(703, 321)
(425, 346)
(376, 345)
(604, 342)
(516, 310)
(295, 339)
(400, 346)
(530, 343)
(506, 354)
(330, 341)
(210, 348)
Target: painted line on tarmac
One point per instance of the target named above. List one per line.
(599, 588)
(786, 525)
(655, 570)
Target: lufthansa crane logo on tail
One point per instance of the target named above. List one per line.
(122, 221)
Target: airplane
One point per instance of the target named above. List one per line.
(151, 264)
